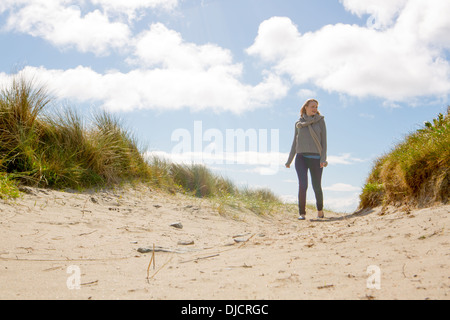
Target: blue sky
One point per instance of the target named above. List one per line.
(184, 73)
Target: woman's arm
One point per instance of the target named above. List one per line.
(323, 142)
(293, 148)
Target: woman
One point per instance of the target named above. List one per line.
(310, 145)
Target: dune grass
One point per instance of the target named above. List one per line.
(8, 188)
(58, 149)
(44, 145)
(415, 172)
(198, 181)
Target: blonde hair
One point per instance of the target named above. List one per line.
(303, 109)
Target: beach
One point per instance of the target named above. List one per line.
(141, 243)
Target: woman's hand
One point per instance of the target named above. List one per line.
(323, 164)
(287, 166)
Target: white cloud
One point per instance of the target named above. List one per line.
(426, 21)
(391, 105)
(130, 7)
(238, 158)
(246, 157)
(199, 76)
(166, 72)
(342, 204)
(306, 93)
(161, 47)
(169, 89)
(382, 12)
(402, 60)
(169, 73)
(264, 171)
(345, 159)
(64, 26)
(288, 198)
(62, 23)
(342, 187)
(277, 38)
(10, 4)
(262, 163)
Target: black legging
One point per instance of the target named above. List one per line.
(302, 164)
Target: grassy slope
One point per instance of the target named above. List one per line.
(415, 172)
(57, 148)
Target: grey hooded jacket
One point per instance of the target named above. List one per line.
(303, 141)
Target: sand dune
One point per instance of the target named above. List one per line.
(61, 245)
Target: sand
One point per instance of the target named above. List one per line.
(67, 245)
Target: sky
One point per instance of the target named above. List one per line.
(221, 82)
